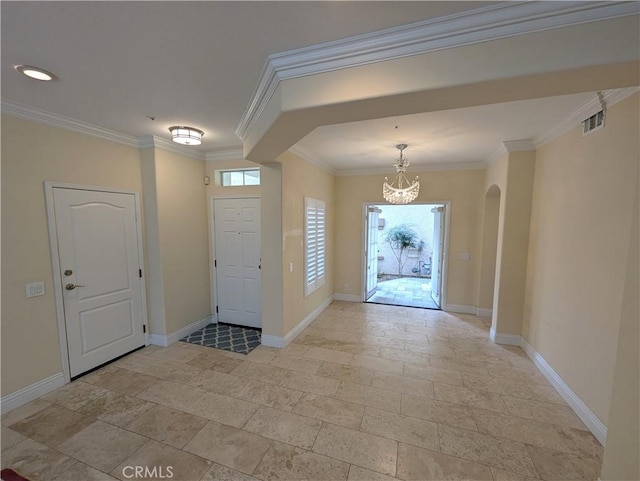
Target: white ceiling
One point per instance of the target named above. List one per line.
(198, 63)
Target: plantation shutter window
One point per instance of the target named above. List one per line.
(314, 244)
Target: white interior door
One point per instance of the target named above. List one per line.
(97, 240)
(237, 250)
(371, 252)
(438, 250)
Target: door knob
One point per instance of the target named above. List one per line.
(71, 287)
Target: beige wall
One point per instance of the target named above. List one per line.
(583, 196)
(31, 154)
(303, 179)
(465, 191)
(621, 455)
(184, 238)
(489, 248)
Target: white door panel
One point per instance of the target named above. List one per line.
(237, 250)
(438, 253)
(371, 260)
(98, 248)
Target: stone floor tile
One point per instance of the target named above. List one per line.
(378, 364)
(331, 410)
(218, 472)
(102, 446)
(424, 465)
(344, 372)
(311, 383)
(115, 408)
(52, 425)
(82, 472)
(355, 447)
(356, 473)
(287, 463)
(166, 425)
(172, 394)
(545, 412)
(270, 395)
(519, 429)
(403, 384)
(75, 394)
(36, 461)
(502, 475)
(369, 396)
(120, 380)
(554, 465)
(441, 412)
(164, 462)
(24, 411)
(487, 449)
(401, 428)
(285, 427)
(429, 373)
(218, 382)
(260, 372)
(10, 438)
(229, 446)
(222, 409)
(301, 364)
(469, 397)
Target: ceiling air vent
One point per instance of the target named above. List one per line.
(593, 123)
(596, 121)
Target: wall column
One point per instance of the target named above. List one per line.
(515, 217)
(272, 253)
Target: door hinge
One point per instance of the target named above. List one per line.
(144, 328)
(139, 272)
(215, 263)
(216, 309)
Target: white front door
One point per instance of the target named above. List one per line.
(371, 253)
(237, 251)
(97, 239)
(438, 250)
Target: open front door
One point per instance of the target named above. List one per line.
(371, 253)
(438, 249)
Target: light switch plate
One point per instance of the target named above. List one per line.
(464, 256)
(35, 289)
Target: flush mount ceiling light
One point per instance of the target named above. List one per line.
(394, 192)
(35, 72)
(186, 135)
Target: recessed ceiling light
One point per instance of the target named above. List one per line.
(35, 72)
(186, 135)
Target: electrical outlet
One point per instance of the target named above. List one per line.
(346, 287)
(35, 289)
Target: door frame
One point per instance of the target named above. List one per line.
(55, 261)
(212, 245)
(445, 250)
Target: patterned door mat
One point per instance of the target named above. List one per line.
(226, 336)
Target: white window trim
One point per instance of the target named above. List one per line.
(315, 213)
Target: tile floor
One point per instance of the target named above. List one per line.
(405, 291)
(366, 393)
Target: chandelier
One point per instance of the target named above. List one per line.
(395, 192)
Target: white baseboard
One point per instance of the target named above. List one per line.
(482, 312)
(346, 297)
(280, 342)
(166, 340)
(587, 416)
(460, 308)
(505, 339)
(31, 392)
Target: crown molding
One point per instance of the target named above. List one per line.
(522, 145)
(499, 153)
(308, 156)
(416, 169)
(610, 97)
(236, 154)
(153, 141)
(507, 19)
(62, 122)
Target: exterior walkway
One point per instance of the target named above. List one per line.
(405, 291)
